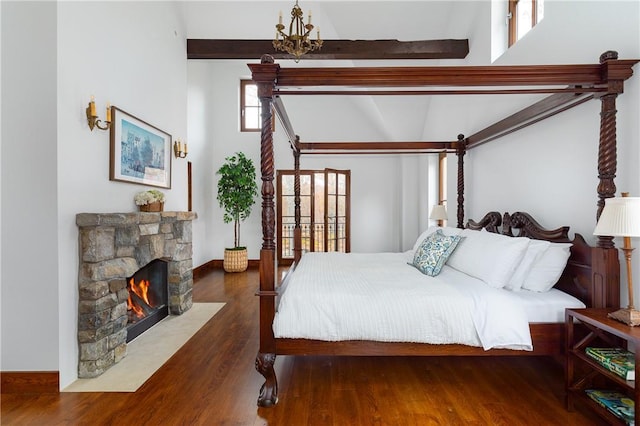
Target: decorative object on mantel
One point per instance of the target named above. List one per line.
(180, 149)
(140, 153)
(297, 42)
(150, 201)
(621, 218)
(237, 190)
(92, 116)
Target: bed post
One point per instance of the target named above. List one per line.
(297, 230)
(606, 265)
(460, 151)
(265, 76)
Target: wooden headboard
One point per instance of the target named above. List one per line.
(578, 277)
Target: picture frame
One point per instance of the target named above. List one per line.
(140, 152)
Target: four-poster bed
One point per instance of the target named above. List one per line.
(591, 274)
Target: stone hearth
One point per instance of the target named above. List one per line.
(113, 246)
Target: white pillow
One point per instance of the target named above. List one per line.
(492, 258)
(446, 230)
(535, 249)
(546, 271)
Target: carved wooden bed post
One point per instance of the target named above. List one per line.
(606, 265)
(265, 75)
(297, 231)
(460, 151)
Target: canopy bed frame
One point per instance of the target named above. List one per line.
(592, 274)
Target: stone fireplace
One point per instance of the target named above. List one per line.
(112, 248)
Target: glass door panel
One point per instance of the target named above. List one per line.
(324, 212)
(318, 212)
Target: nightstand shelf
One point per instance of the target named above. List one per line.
(582, 372)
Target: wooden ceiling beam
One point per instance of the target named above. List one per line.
(331, 49)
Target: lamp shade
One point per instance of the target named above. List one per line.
(438, 212)
(620, 217)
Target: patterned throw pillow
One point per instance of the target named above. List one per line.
(433, 252)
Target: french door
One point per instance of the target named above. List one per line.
(324, 211)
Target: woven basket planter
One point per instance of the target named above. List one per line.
(152, 207)
(235, 260)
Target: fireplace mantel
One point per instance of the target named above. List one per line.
(112, 247)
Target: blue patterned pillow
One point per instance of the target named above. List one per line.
(433, 252)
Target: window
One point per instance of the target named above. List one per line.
(523, 15)
(250, 108)
(324, 211)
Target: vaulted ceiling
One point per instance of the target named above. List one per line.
(386, 117)
(367, 20)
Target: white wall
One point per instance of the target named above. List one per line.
(550, 168)
(499, 28)
(29, 188)
(376, 181)
(132, 54)
(214, 96)
(1, 261)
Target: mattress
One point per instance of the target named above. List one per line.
(548, 306)
(379, 297)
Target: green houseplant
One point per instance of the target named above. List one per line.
(237, 190)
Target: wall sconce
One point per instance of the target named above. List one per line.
(92, 117)
(180, 149)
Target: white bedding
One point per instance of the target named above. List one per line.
(548, 306)
(379, 297)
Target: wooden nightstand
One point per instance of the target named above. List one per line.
(592, 327)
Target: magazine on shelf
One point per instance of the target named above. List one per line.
(619, 404)
(616, 360)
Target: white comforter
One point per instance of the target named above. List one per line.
(379, 297)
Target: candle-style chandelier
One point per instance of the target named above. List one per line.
(297, 42)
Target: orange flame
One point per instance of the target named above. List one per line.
(142, 291)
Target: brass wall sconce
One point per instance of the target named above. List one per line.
(92, 116)
(180, 149)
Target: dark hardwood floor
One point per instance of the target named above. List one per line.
(211, 381)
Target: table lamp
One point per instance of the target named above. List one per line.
(621, 218)
(439, 213)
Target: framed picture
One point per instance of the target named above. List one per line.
(140, 153)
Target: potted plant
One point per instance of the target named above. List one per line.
(150, 201)
(237, 189)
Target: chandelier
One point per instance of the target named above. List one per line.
(297, 42)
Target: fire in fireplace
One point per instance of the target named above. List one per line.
(148, 298)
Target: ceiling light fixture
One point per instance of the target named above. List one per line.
(297, 42)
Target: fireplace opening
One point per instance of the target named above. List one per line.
(148, 298)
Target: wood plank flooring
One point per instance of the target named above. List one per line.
(211, 381)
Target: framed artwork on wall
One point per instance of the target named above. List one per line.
(140, 153)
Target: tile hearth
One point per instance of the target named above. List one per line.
(149, 351)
